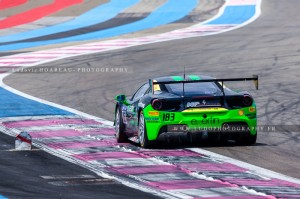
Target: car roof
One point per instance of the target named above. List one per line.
(181, 78)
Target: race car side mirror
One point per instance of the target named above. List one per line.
(120, 98)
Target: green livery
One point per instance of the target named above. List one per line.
(197, 107)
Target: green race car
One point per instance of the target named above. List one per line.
(193, 106)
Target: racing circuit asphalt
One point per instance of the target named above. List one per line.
(37, 174)
(268, 47)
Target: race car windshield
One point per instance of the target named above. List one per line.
(199, 88)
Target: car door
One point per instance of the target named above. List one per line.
(132, 108)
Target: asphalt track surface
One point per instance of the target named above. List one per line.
(37, 174)
(268, 47)
(26, 181)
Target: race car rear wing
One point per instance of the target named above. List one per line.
(254, 79)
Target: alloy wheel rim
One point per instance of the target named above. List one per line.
(117, 124)
(141, 129)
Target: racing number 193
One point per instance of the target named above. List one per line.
(168, 116)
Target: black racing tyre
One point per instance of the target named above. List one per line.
(247, 140)
(142, 134)
(251, 140)
(224, 137)
(120, 127)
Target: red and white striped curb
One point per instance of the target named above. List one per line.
(41, 57)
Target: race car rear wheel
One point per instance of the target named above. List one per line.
(224, 137)
(251, 140)
(247, 140)
(120, 127)
(142, 134)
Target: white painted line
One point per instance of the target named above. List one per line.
(64, 177)
(19, 59)
(22, 118)
(242, 2)
(5, 64)
(131, 162)
(51, 103)
(65, 126)
(217, 192)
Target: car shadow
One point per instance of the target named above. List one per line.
(200, 144)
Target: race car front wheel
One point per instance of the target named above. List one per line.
(119, 128)
(142, 134)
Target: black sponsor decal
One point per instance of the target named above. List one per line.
(205, 120)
